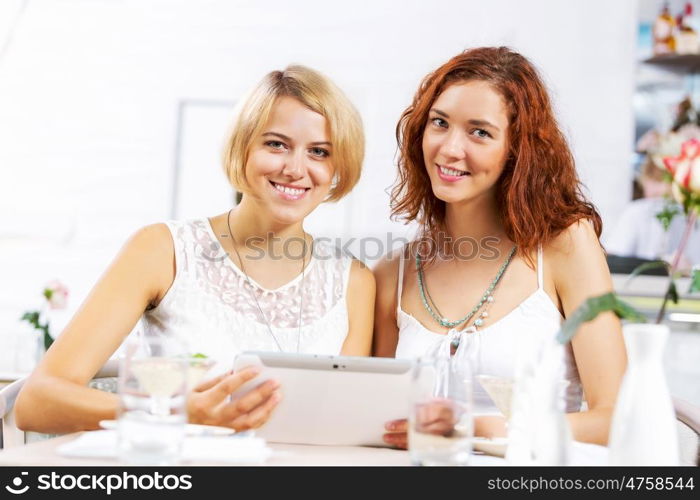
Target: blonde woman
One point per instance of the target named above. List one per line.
(249, 278)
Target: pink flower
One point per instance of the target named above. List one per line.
(56, 294)
(685, 168)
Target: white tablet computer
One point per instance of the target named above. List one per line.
(331, 400)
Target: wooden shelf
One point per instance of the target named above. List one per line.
(676, 63)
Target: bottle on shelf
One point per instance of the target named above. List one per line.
(664, 27)
(686, 37)
(685, 114)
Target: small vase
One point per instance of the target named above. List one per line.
(643, 429)
(40, 349)
(27, 341)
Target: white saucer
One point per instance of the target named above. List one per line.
(190, 429)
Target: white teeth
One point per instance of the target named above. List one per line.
(451, 171)
(289, 190)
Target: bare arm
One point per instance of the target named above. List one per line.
(580, 271)
(386, 330)
(361, 290)
(55, 397)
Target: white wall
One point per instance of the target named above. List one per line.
(89, 92)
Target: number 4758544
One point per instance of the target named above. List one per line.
(660, 483)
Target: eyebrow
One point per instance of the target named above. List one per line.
(478, 123)
(289, 139)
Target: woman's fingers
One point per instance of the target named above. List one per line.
(397, 439)
(208, 384)
(205, 403)
(400, 425)
(248, 402)
(259, 415)
(397, 435)
(230, 383)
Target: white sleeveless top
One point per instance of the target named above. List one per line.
(493, 348)
(210, 304)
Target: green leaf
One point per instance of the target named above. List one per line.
(673, 292)
(32, 317)
(48, 340)
(647, 266)
(590, 310)
(625, 311)
(667, 214)
(199, 355)
(695, 281)
(688, 199)
(48, 293)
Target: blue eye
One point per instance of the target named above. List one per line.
(481, 133)
(438, 122)
(319, 152)
(275, 145)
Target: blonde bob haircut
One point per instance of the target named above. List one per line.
(319, 94)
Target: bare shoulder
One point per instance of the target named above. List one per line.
(387, 268)
(152, 238)
(361, 275)
(578, 237)
(150, 252)
(577, 260)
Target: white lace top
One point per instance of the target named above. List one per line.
(493, 349)
(210, 306)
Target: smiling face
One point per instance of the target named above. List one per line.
(465, 141)
(289, 168)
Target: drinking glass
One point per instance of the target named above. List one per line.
(441, 424)
(198, 367)
(152, 401)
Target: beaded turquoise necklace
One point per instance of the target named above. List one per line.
(486, 297)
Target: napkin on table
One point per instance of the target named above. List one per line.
(230, 449)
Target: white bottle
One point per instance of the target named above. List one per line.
(643, 429)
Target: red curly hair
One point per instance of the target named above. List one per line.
(538, 194)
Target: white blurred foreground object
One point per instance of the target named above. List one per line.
(643, 429)
(197, 430)
(152, 401)
(241, 450)
(441, 421)
(538, 432)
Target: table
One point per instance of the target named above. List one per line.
(43, 453)
(7, 377)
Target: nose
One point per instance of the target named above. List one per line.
(295, 166)
(453, 145)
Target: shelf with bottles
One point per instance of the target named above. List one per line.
(676, 63)
(676, 45)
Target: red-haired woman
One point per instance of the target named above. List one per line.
(488, 175)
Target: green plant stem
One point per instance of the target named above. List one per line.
(690, 223)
